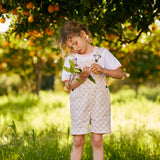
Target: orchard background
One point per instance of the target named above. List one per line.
(31, 62)
(30, 50)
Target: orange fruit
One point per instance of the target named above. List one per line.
(106, 43)
(31, 19)
(35, 32)
(48, 20)
(94, 72)
(54, 21)
(158, 67)
(14, 11)
(3, 10)
(26, 13)
(18, 36)
(111, 35)
(56, 7)
(6, 44)
(2, 20)
(0, 6)
(32, 53)
(50, 32)
(146, 72)
(29, 5)
(41, 14)
(50, 8)
(31, 43)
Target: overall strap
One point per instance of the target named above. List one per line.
(98, 53)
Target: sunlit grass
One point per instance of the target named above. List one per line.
(41, 127)
(129, 112)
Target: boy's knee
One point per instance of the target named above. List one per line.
(78, 142)
(97, 142)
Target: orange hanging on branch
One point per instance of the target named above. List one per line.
(3, 10)
(56, 7)
(14, 11)
(5, 44)
(31, 43)
(31, 19)
(29, 5)
(50, 8)
(1, 6)
(2, 20)
(49, 31)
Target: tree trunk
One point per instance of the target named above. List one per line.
(38, 77)
(135, 86)
(136, 89)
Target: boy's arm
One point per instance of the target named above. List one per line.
(82, 77)
(115, 73)
(74, 83)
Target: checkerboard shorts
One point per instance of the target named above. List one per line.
(90, 109)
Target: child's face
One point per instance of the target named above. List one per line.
(77, 44)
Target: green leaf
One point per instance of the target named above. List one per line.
(77, 70)
(66, 69)
(71, 63)
(71, 69)
(91, 78)
(79, 80)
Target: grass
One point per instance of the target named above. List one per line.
(33, 128)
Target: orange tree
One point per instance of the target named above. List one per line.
(102, 16)
(141, 60)
(39, 22)
(29, 61)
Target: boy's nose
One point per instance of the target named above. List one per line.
(75, 49)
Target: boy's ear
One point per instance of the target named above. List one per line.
(83, 34)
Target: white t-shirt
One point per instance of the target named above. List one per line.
(99, 55)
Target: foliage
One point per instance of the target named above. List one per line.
(30, 62)
(41, 127)
(142, 60)
(31, 50)
(101, 16)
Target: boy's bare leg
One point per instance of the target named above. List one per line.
(77, 148)
(97, 145)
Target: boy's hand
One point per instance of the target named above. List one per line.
(85, 72)
(96, 68)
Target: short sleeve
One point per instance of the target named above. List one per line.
(110, 61)
(66, 75)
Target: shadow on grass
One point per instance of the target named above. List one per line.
(18, 105)
(52, 144)
(128, 95)
(152, 96)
